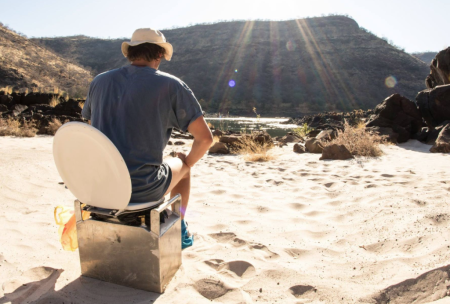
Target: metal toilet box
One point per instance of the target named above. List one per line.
(141, 257)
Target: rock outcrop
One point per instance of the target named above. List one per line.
(442, 144)
(439, 70)
(37, 107)
(398, 113)
(434, 105)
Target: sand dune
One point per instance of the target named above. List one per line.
(292, 230)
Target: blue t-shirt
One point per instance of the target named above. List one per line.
(137, 108)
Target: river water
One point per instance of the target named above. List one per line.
(273, 126)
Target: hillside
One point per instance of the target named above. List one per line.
(282, 68)
(24, 64)
(425, 56)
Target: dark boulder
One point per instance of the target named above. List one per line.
(299, 148)
(434, 105)
(313, 133)
(439, 70)
(327, 135)
(290, 139)
(313, 145)
(429, 136)
(400, 114)
(217, 133)
(40, 108)
(262, 137)
(6, 100)
(17, 97)
(40, 98)
(18, 109)
(69, 108)
(387, 134)
(335, 151)
(229, 139)
(442, 144)
(3, 108)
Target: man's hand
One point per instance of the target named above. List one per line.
(182, 156)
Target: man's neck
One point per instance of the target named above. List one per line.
(154, 64)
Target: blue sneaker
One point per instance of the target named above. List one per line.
(186, 239)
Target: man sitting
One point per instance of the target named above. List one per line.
(136, 107)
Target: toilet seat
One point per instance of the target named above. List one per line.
(93, 169)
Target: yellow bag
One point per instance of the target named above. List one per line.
(65, 219)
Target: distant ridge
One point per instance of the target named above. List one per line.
(25, 64)
(425, 56)
(280, 67)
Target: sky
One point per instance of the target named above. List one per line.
(415, 25)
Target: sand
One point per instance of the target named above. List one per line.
(291, 230)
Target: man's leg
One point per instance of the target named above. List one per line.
(181, 182)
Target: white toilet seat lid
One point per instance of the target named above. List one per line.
(91, 166)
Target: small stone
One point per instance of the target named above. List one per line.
(260, 290)
(298, 148)
(335, 151)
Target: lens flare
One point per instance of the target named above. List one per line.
(231, 83)
(236, 71)
(291, 45)
(390, 82)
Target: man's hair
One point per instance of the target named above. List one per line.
(146, 51)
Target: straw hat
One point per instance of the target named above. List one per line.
(148, 35)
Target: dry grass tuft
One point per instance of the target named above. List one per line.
(254, 151)
(53, 126)
(303, 130)
(12, 127)
(358, 141)
(55, 101)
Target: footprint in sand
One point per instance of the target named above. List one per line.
(297, 206)
(241, 269)
(371, 186)
(264, 251)
(223, 237)
(214, 263)
(387, 175)
(230, 238)
(302, 290)
(295, 253)
(274, 182)
(211, 288)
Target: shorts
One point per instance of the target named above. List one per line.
(157, 181)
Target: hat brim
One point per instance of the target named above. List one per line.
(166, 45)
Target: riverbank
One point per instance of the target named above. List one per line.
(291, 230)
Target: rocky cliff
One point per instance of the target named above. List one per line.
(25, 64)
(282, 68)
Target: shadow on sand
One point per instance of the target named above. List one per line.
(81, 290)
(416, 146)
(427, 287)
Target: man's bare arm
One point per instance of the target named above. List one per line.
(202, 141)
